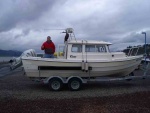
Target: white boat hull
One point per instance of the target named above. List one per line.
(43, 67)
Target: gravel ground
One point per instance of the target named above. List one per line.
(126, 103)
(18, 94)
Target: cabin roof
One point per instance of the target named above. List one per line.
(88, 42)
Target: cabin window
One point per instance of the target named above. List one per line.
(90, 48)
(76, 48)
(95, 48)
(61, 51)
(100, 48)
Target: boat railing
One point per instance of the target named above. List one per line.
(133, 51)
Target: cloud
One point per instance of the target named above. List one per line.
(14, 12)
(116, 21)
(137, 37)
(23, 33)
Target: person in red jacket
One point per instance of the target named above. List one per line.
(49, 48)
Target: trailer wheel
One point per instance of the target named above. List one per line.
(55, 84)
(74, 84)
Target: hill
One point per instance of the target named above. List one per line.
(10, 53)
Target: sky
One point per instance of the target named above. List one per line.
(25, 24)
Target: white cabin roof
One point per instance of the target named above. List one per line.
(88, 42)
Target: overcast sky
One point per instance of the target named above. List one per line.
(24, 23)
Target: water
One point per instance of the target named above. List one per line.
(5, 59)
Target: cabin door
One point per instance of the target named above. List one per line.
(61, 51)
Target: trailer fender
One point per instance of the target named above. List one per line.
(46, 81)
(83, 81)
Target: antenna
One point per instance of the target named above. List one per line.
(53, 29)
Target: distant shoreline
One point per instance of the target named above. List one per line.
(5, 59)
(7, 56)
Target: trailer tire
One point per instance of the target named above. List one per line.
(55, 84)
(74, 84)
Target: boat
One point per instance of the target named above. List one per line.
(80, 58)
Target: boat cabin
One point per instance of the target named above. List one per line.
(83, 50)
